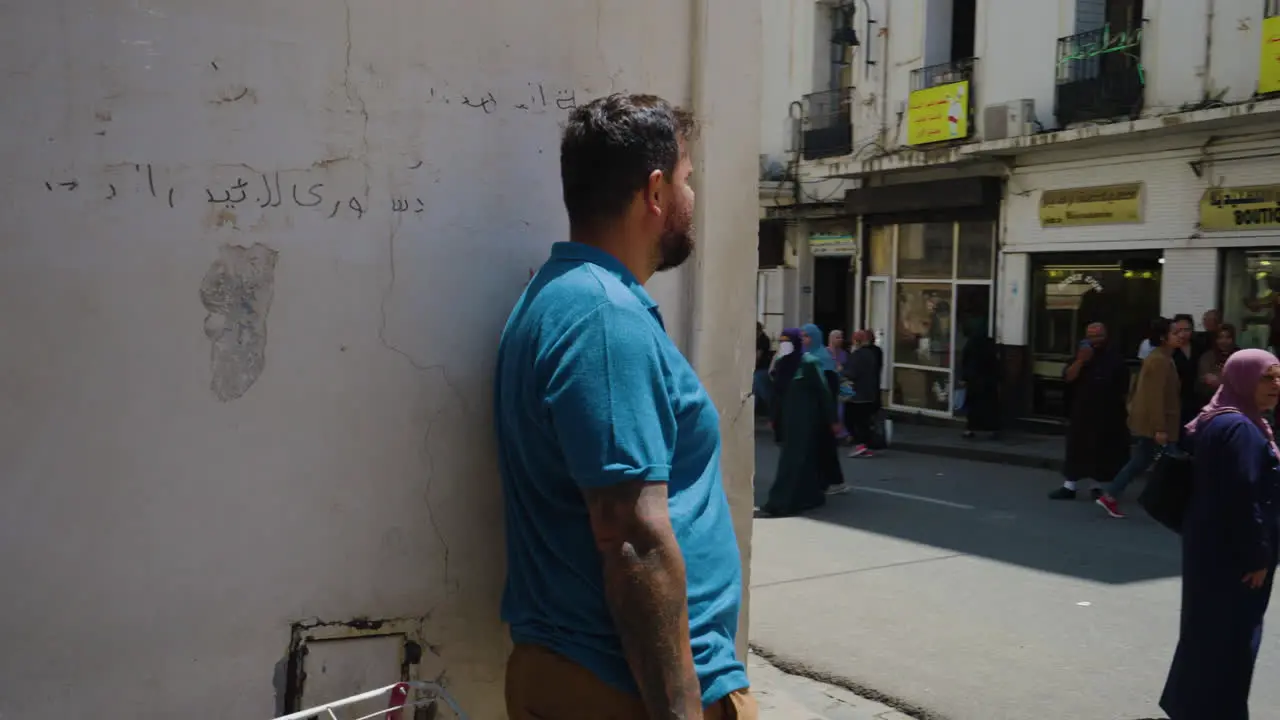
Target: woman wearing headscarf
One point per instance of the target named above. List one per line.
(808, 464)
(1211, 360)
(1229, 542)
(980, 378)
(835, 348)
(785, 365)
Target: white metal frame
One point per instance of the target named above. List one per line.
(410, 629)
(989, 283)
(399, 701)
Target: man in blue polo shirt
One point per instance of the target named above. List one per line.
(624, 580)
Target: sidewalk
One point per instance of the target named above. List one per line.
(1019, 449)
(791, 697)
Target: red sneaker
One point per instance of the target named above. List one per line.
(1108, 503)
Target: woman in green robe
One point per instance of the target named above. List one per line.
(809, 463)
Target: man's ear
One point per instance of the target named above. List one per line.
(653, 192)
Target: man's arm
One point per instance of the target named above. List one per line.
(644, 584)
(612, 413)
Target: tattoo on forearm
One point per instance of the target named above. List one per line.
(645, 588)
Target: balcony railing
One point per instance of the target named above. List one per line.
(827, 129)
(943, 74)
(1100, 75)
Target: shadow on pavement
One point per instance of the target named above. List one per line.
(990, 511)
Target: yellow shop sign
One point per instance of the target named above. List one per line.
(1241, 208)
(1269, 59)
(938, 114)
(1104, 205)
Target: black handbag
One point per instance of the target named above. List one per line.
(1168, 491)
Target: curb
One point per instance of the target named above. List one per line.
(799, 669)
(981, 454)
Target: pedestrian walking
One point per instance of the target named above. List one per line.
(1186, 365)
(1209, 366)
(808, 466)
(863, 374)
(1230, 537)
(1097, 433)
(840, 356)
(624, 580)
(1154, 413)
(784, 369)
(980, 378)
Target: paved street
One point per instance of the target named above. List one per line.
(956, 587)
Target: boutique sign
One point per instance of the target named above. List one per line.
(1241, 208)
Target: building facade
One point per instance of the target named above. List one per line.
(1041, 164)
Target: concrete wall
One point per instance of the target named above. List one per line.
(256, 259)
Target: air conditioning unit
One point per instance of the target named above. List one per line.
(1015, 118)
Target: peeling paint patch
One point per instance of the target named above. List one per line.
(237, 291)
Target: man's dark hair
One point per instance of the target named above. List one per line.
(1160, 329)
(610, 147)
(1180, 317)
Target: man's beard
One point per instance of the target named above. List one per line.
(675, 245)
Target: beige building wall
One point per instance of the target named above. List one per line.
(255, 261)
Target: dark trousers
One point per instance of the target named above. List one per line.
(857, 419)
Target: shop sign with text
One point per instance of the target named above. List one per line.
(832, 245)
(938, 114)
(1079, 207)
(1241, 208)
(1269, 59)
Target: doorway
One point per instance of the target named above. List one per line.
(832, 293)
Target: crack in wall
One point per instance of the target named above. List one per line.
(354, 99)
(416, 365)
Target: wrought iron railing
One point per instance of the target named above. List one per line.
(1099, 75)
(943, 73)
(827, 129)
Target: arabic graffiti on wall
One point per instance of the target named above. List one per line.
(938, 114)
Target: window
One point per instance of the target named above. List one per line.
(880, 250)
(922, 334)
(926, 250)
(1251, 295)
(941, 294)
(975, 251)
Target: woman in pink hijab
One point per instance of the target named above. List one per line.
(1229, 544)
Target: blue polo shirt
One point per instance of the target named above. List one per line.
(591, 391)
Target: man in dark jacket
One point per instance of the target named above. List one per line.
(863, 372)
(1098, 436)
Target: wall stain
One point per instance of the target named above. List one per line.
(237, 291)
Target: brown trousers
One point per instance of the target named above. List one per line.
(542, 685)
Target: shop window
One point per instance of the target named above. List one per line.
(926, 251)
(975, 251)
(1069, 291)
(922, 336)
(1251, 295)
(880, 250)
(924, 389)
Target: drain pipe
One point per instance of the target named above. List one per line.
(884, 75)
(1206, 80)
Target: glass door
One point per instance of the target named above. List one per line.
(878, 317)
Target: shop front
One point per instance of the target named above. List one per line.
(1071, 290)
(928, 283)
(1250, 298)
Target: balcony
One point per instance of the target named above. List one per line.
(827, 125)
(940, 107)
(1100, 76)
(943, 74)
